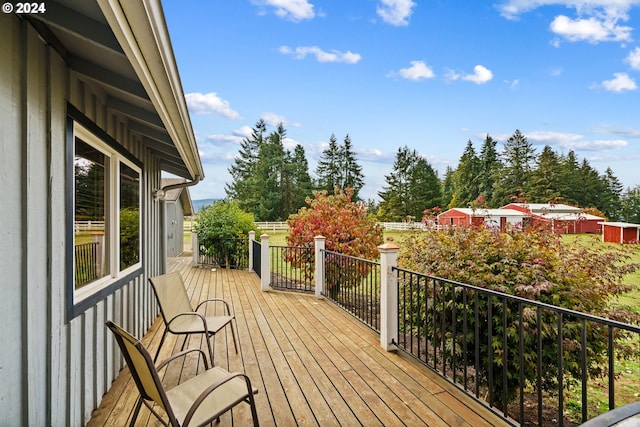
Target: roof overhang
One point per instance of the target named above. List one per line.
(123, 49)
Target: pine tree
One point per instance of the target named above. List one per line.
(515, 178)
(631, 205)
(412, 187)
(466, 178)
(352, 171)
(244, 187)
(490, 167)
(269, 173)
(547, 184)
(571, 178)
(302, 184)
(447, 188)
(612, 196)
(328, 170)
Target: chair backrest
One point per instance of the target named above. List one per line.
(142, 368)
(171, 295)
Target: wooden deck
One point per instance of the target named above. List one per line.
(312, 362)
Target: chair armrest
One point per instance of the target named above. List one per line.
(183, 353)
(226, 304)
(190, 313)
(214, 386)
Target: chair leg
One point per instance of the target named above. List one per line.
(254, 412)
(136, 411)
(210, 348)
(233, 334)
(164, 335)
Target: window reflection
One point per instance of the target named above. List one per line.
(90, 223)
(129, 216)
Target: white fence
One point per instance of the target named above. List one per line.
(275, 227)
(84, 226)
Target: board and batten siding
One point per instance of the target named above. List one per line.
(53, 370)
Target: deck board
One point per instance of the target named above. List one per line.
(312, 362)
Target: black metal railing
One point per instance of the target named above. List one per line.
(531, 362)
(354, 284)
(256, 262)
(86, 263)
(292, 268)
(224, 253)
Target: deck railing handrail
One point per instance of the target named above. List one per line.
(381, 308)
(440, 329)
(360, 295)
(292, 268)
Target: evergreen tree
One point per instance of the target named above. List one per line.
(571, 178)
(269, 173)
(352, 171)
(547, 184)
(612, 196)
(592, 186)
(490, 167)
(631, 205)
(244, 188)
(466, 178)
(515, 178)
(302, 184)
(412, 187)
(447, 188)
(328, 170)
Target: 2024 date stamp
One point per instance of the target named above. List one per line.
(24, 8)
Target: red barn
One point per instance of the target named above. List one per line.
(562, 219)
(620, 232)
(491, 218)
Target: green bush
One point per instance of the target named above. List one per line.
(223, 230)
(533, 264)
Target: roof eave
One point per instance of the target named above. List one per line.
(142, 32)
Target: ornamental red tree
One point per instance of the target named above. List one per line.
(347, 229)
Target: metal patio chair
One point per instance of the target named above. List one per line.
(181, 318)
(197, 401)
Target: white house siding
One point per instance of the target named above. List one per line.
(54, 371)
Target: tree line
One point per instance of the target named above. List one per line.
(273, 182)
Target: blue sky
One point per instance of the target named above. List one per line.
(429, 74)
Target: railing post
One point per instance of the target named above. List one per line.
(388, 296)
(195, 249)
(319, 273)
(265, 266)
(252, 237)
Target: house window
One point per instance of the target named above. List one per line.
(106, 214)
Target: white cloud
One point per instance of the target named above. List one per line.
(573, 141)
(634, 58)
(595, 20)
(417, 71)
(395, 12)
(273, 119)
(592, 29)
(321, 56)
(512, 83)
(619, 83)
(511, 9)
(292, 10)
(244, 132)
(209, 103)
(480, 75)
(221, 139)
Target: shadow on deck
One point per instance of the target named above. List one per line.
(312, 362)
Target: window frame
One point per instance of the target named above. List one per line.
(78, 301)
